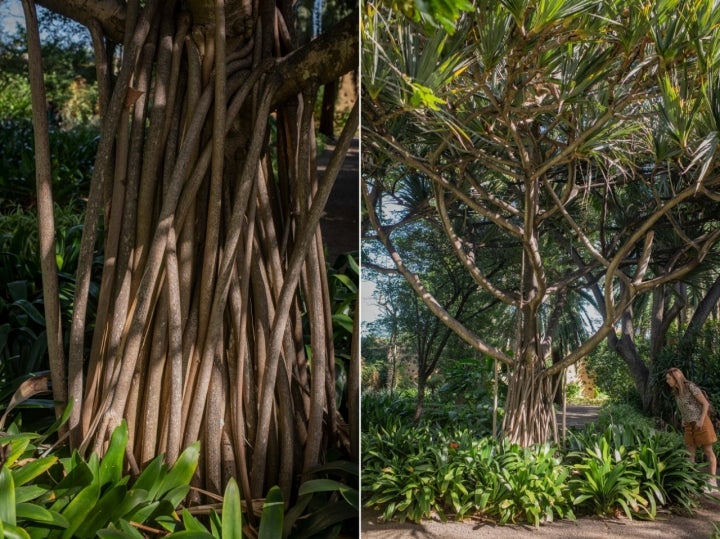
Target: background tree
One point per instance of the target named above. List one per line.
(424, 336)
(205, 190)
(534, 118)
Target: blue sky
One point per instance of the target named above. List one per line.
(11, 15)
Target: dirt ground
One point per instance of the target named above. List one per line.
(701, 525)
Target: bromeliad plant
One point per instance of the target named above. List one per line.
(411, 472)
(43, 495)
(635, 469)
(49, 496)
(606, 480)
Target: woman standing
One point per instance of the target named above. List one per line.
(694, 412)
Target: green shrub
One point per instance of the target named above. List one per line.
(23, 341)
(53, 497)
(381, 409)
(573, 391)
(635, 468)
(464, 400)
(400, 471)
(412, 472)
(532, 485)
(15, 99)
(610, 374)
(605, 480)
(50, 496)
(612, 413)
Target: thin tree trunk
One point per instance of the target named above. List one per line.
(45, 209)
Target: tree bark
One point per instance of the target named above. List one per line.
(45, 210)
(212, 249)
(703, 311)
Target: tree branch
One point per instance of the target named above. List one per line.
(321, 61)
(110, 14)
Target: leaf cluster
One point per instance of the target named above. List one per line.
(49, 496)
(412, 471)
(452, 472)
(23, 339)
(45, 495)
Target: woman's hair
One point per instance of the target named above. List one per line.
(679, 377)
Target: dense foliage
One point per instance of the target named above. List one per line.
(411, 472)
(461, 393)
(44, 494)
(73, 153)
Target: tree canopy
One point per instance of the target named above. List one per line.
(582, 134)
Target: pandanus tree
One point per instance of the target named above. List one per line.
(213, 316)
(578, 131)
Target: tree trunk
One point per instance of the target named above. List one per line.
(529, 411)
(625, 347)
(45, 209)
(207, 181)
(707, 306)
(420, 401)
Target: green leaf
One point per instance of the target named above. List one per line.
(80, 508)
(216, 526)
(60, 421)
(111, 467)
(328, 485)
(176, 495)
(182, 471)
(18, 290)
(349, 283)
(14, 532)
(134, 499)
(191, 523)
(152, 476)
(271, 522)
(169, 523)
(142, 513)
(29, 309)
(232, 512)
(344, 321)
(126, 531)
(37, 513)
(18, 446)
(105, 511)
(31, 470)
(7, 497)
(77, 478)
(110, 533)
(29, 492)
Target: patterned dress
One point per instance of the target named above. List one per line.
(690, 408)
(690, 411)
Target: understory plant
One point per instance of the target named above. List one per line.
(46, 495)
(413, 472)
(639, 467)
